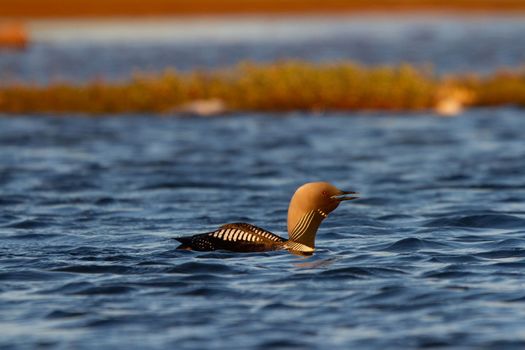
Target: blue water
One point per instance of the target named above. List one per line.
(433, 255)
(87, 50)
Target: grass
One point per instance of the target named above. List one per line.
(281, 86)
(111, 8)
(13, 35)
(506, 87)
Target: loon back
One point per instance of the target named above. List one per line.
(236, 237)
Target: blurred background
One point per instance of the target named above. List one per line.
(440, 55)
(77, 40)
(105, 157)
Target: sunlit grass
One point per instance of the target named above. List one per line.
(281, 86)
(98, 8)
(505, 87)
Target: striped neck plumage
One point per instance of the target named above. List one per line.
(302, 237)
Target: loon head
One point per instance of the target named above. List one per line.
(309, 206)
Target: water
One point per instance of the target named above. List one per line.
(86, 50)
(433, 255)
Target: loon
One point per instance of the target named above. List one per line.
(309, 206)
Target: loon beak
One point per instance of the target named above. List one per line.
(344, 196)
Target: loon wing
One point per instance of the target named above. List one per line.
(237, 237)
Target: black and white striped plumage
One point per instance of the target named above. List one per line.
(310, 205)
(237, 237)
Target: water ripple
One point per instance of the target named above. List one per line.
(432, 256)
(481, 221)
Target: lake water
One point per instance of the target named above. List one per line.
(85, 50)
(433, 255)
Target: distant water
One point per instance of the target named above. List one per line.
(432, 256)
(80, 51)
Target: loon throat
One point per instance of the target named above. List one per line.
(309, 206)
(306, 228)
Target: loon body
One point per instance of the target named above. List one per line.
(309, 206)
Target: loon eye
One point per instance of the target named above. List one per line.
(325, 193)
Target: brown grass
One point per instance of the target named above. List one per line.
(506, 87)
(282, 86)
(13, 35)
(100, 8)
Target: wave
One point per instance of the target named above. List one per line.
(414, 244)
(360, 272)
(479, 221)
(31, 275)
(96, 269)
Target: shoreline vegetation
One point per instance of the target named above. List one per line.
(273, 87)
(24, 9)
(13, 36)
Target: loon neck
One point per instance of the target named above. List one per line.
(306, 228)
